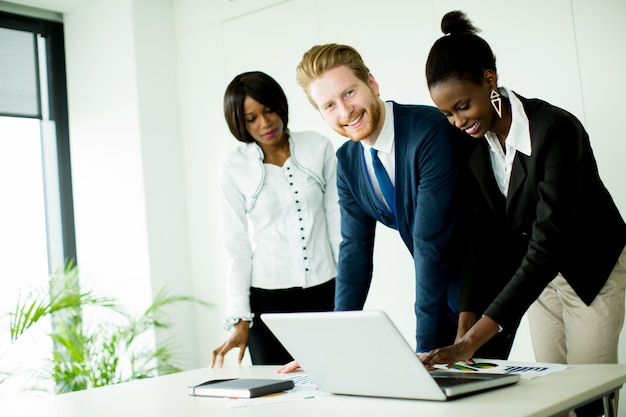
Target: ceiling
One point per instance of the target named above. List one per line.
(59, 6)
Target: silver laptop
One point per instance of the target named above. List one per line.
(363, 353)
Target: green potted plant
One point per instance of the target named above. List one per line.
(93, 354)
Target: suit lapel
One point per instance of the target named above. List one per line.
(480, 165)
(400, 149)
(366, 183)
(518, 175)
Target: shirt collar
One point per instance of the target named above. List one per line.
(384, 142)
(519, 133)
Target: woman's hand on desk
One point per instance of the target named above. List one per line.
(239, 339)
(290, 367)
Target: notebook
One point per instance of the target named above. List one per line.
(240, 387)
(363, 353)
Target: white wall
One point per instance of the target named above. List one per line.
(127, 157)
(145, 173)
(539, 51)
(107, 169)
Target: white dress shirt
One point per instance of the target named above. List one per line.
(280, 224)
(518, 139)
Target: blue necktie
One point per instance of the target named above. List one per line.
(383, 180)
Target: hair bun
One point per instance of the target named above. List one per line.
(457, 22)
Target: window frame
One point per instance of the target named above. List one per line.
(60, 240)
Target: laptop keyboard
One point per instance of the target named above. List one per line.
(449, 379)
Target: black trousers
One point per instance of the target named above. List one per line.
(263, 346)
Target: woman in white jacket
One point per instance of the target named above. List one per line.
(280, 218)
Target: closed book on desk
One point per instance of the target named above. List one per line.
(240, 387)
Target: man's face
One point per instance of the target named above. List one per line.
(349, 106)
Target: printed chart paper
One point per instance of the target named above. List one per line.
(527, 370)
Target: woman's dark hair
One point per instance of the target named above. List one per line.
(460, 54)
(260, 87)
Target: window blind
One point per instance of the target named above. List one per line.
(19, 79)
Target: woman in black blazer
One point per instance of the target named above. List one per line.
(539, 226)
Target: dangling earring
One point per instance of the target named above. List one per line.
(496, 102)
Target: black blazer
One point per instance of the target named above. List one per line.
(558, 217)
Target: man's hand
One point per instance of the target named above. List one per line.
(466, 345)
(448, 355)
(466, 321)
(290, 367)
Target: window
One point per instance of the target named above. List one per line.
(34, 131)
(36, 213)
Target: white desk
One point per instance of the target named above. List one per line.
(167, 396)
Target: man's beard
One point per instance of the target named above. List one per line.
(374, 113)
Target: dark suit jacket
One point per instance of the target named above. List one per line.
(427, 170)
(557, 217)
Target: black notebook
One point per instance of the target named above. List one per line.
(240, 387)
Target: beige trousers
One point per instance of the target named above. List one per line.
(565, 330)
